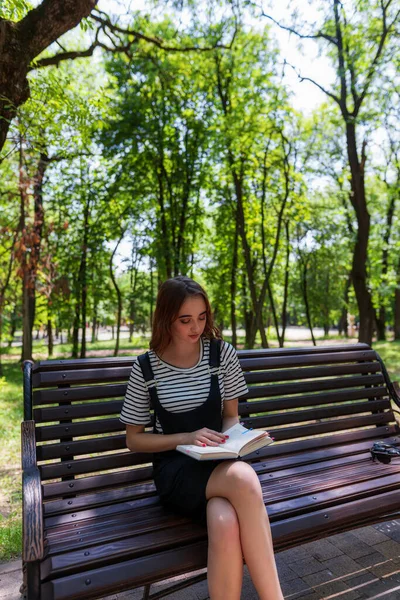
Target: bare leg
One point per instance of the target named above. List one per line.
(238, 483)
(225, 560)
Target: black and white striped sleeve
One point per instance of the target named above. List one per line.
(136, 406)
(234, 381)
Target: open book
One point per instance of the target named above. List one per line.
(241, 442)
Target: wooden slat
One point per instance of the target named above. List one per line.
(122, 549)
(140, 490)
(46, 433)
(94, 392)
(299, 529)
(77, 411)
(91, 465)
(291, 432)
(127, 574)
(278, 454)
(127, 361)
(152, 518)
(78, 517)
(96, 482)
(292, 402)
(326, 412)
(98, 392)
(69, 449)
(80, 376)
(317, 385)
(277, 362)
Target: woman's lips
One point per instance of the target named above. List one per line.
(194, 336)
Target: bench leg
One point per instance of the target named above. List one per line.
(33, 580)
(146, 592)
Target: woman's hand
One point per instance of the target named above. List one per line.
(205, 437)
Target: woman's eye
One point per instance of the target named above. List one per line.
(185, 322)
(202, 318)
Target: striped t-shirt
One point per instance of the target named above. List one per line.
(180, 390)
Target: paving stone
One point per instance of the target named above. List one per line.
(390, 549)
(378, 589)
(248, 589)
(376, 558)
(351, 545)
(306, 566)
(294, 553)
(337, 589)
(285, 572)
(370, 535)
(342, 565)
(297, 588)
(324, 549)
(385, 569)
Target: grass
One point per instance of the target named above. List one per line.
(11, 414)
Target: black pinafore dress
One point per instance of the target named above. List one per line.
(180, 480)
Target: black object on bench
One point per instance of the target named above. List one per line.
(92, 522)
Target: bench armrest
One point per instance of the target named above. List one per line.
(32, 505)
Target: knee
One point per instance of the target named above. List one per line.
(222, 524)
(243, 480)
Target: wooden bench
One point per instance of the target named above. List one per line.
(92, 522)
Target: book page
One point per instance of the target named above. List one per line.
(239, 436)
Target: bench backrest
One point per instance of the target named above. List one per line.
(302, 396)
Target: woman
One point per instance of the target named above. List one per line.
(193, 380)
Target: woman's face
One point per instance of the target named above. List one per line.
(191, 321)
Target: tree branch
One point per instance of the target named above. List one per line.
(302, 36)
(327, 92)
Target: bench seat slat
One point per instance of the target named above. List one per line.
(136, 572)
(332, 444)
(65, 541)
(103, 554)
(130, 545)
(147, 569)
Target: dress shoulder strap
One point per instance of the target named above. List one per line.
(215, 353)
(148, 376)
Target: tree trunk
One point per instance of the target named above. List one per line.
(83, 276)
(304, 287)
(50, 342)
(381, 318)
(21, 42)
(94, 323)
(119, 295)
(286, 285)
(360, 255)
(234, 283)
(343, 321)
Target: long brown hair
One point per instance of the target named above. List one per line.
(171, 295)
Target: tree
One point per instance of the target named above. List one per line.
(357, 50)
